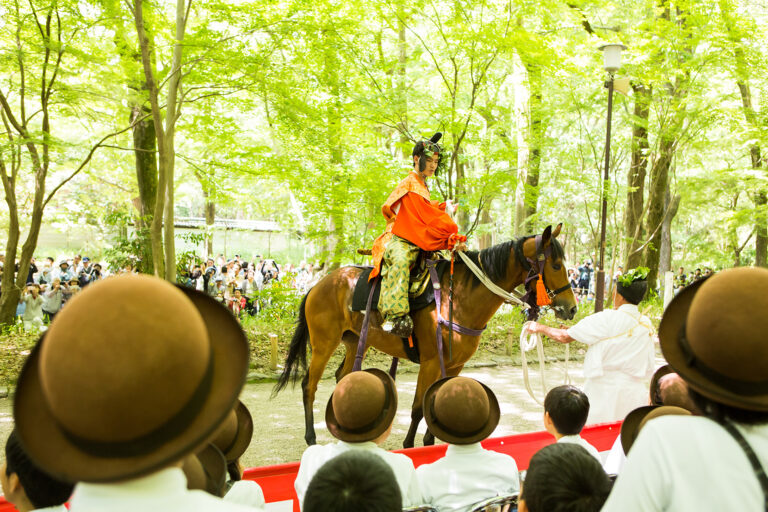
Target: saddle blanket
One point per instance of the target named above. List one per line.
(363, 289)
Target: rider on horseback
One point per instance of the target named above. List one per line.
(414, 222)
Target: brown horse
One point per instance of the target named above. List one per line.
(326, 320)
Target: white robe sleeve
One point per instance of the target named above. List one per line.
(591, 329)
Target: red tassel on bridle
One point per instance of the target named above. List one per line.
(542, 298)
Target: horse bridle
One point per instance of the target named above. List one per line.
(535, 268)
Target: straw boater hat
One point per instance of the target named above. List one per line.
(235, 433)
(460, 410)
(148, 381)
(637, 419)
(713, 335)
(362, 406)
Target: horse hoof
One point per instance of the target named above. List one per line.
(310, 441)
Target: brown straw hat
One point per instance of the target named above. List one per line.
(362, 406)
(206, 471)
(460, 410)
(235, 433)
(636, 420)
(713, 334)
(132, 375)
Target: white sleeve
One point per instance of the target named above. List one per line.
(644, 482)
(591, 329)
(307, 469)
(246, 492)
(414, 496)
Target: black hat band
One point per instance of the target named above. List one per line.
(734, 385)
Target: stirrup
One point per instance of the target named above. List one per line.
(401, 326)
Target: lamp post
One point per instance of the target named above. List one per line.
(611, 63)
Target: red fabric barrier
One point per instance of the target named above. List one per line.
(277, 481)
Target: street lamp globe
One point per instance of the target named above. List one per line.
(612, 56)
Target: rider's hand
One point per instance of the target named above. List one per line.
(461, 246)
(533, 327)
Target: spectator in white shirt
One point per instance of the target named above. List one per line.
(463, 412)
(134, 375)
(564, 477)
(354, 480)
(27, 486)
(713, 335)
(565, 413)
(33, 314)
(359, 414)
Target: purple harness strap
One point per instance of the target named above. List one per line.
(442, 322)
(364, 330)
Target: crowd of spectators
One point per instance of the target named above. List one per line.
(582, 279)
(237, 283)
(234, 282)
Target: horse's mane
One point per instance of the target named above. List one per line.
(494, 260)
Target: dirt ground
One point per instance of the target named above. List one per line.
(279, 422)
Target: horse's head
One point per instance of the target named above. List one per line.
(554, 271)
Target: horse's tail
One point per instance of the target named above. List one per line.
(297, 353)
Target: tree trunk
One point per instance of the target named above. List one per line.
(633, 213)
(656, 196)
(402, 91)
(521, 129)
(485, 240)
(760, 198)
(338, 180)
(665, 256)
(9, 298)
(210, 217)
(145, 160)
(536, 140)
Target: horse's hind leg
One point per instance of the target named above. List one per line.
(309, 413)
(321, 353)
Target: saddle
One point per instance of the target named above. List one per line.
(420, 292)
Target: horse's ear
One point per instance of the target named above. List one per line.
(557, 230)
(546, 236)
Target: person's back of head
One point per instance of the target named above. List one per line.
(564, 477)
(354, 481)
(568, 408)
(25, 485)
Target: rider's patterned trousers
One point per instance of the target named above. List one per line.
(399, 255)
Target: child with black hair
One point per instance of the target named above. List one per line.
(565, 413)
(564, 477)
(28, 487)
(355, 480)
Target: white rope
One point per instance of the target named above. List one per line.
(529, 340)
(501, 292)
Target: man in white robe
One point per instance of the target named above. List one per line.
(620, 357)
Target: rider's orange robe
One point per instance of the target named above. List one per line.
(423, 222)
